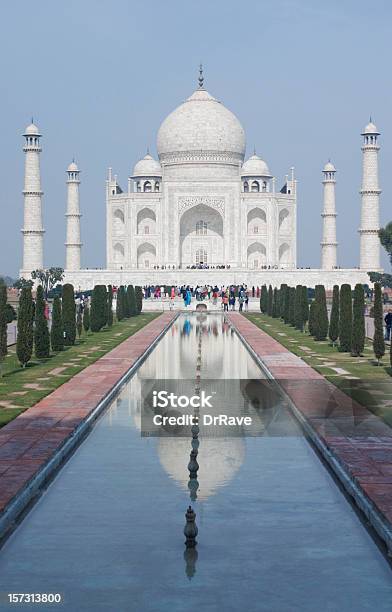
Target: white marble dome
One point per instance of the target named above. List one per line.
(73, 167)
(371, 128)
(329, 167)
(32, 130)
(255, 166)
(148, 166)
(201, 129)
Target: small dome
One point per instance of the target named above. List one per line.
(32, 130)
(255, 166)
(329, 167)
(370, 129)
(73, 167)
(148, 166)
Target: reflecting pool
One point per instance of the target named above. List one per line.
(275, 531)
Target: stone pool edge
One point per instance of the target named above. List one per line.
(32, 487)
(363, 500)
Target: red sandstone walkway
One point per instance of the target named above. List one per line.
(29, 441)
(359, 440)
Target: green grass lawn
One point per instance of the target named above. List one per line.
(365, 381)
(15, 392)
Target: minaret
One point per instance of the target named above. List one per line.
(328, 243)
(73, 244)
(370, 192)
(33, 232)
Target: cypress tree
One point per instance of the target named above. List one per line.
(41, 331)
(333, 331)
(127, 302)
(56, 331)
(86, 318)
(264, 299)
(110, 306)
(98, 314)
(69, 315)
(24, 341)
(292, 306)
(378, 338)
(120, 303)
(321, 314)
(270, 304)
(286, 306)
(305, 305)
(3, 322)
(132, 301)
(282, 298)
(312, 316)
(298, 318)
(345, 318)
(79, 323)
(139, 299)
(275, 305)
(358, 331)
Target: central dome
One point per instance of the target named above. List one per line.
(201, 129)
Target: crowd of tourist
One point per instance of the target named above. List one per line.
(228, 296)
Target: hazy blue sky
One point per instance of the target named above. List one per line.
(99, 77)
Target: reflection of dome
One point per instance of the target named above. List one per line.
(148, 166)
(204, 127)
(255, 166)
(219, 459)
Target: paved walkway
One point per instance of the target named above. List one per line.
(30, 440)
(359, 441)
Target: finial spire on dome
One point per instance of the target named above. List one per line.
(201, 77)
(254, 149)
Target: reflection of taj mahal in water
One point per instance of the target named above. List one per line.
(173, 360)
(203, 205)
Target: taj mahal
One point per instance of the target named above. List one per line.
(202, 213)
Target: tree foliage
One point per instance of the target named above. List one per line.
(275, 304)
(41, 331)
(305, 305)
(333, 331)
(385, 280)
(21, 283)
(292, 306)
(48, 278)
(286, 305)
(109, 317)
(345, 318)
(312, 315)
(79, 323)
(98, 315)
(385, 235)
(69, 315)
(378, 338)
(24, 341)
(298, 313)
(139, 299)
(321, 313)
(264, 299)
(56, 331)
(358, 331)
(120, 304)
(132, 301)
(86, 318)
